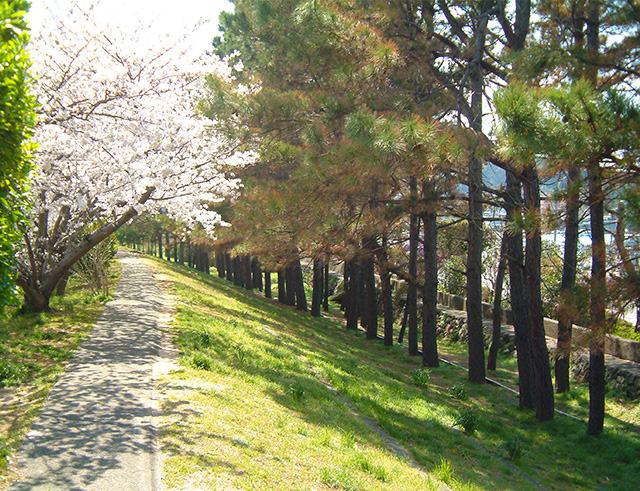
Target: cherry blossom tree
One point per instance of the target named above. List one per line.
(118, 134)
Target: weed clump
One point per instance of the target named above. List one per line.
(468, 420)
(421, 376)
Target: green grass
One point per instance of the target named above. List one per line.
(624, 329)
(250, 409)
(576, 402)
(33, 351)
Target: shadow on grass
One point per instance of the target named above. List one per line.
(378, 381)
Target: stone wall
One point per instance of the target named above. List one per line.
(625, 349)
(622, 377)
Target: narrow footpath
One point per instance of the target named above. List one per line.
(97, 429)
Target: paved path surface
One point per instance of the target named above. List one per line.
(96, 430)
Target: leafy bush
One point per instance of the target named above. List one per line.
(468, 420)
(421, 376)
(17, 119)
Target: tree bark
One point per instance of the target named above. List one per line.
(247, 276)
(351, 292)
(301, 298)
(228, 269)
(519, 294)
(290, 282)
(492, 359)
(38, 297)
(598, 302)
(317, 283)
(569, 269)
(387, 294)
(475, 219)
(282, 293)
(369, 294)
(543, 386)
(430, 286)
(412, 294)
(267, 284)
(325, 290)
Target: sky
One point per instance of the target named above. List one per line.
(156, 17)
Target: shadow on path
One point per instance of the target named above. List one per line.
(96, 429)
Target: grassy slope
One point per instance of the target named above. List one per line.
(250, 410)
(624, 411)
(33, 351)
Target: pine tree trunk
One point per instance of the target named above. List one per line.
(412, 293)
(430, 287)
(228, 266)
(492, 359)
(598, 302)
(221, 264)
(282, 293)
(569, 269)
(351, 290)
(237, 271)
(325, 290)
(403, 324)
(290, 283)
(301, 298)
(317, 282)
(369, 296)
(246, 270)
(543, 386)
(387, 298)
(160, 252)
(267, 284)
(475, 220)
(518, 294)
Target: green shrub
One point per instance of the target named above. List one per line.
(468, 420)
(459, 392)
(421, 376)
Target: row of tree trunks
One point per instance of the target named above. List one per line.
(291, 286)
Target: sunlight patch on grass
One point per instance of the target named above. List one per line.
(277, 425)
